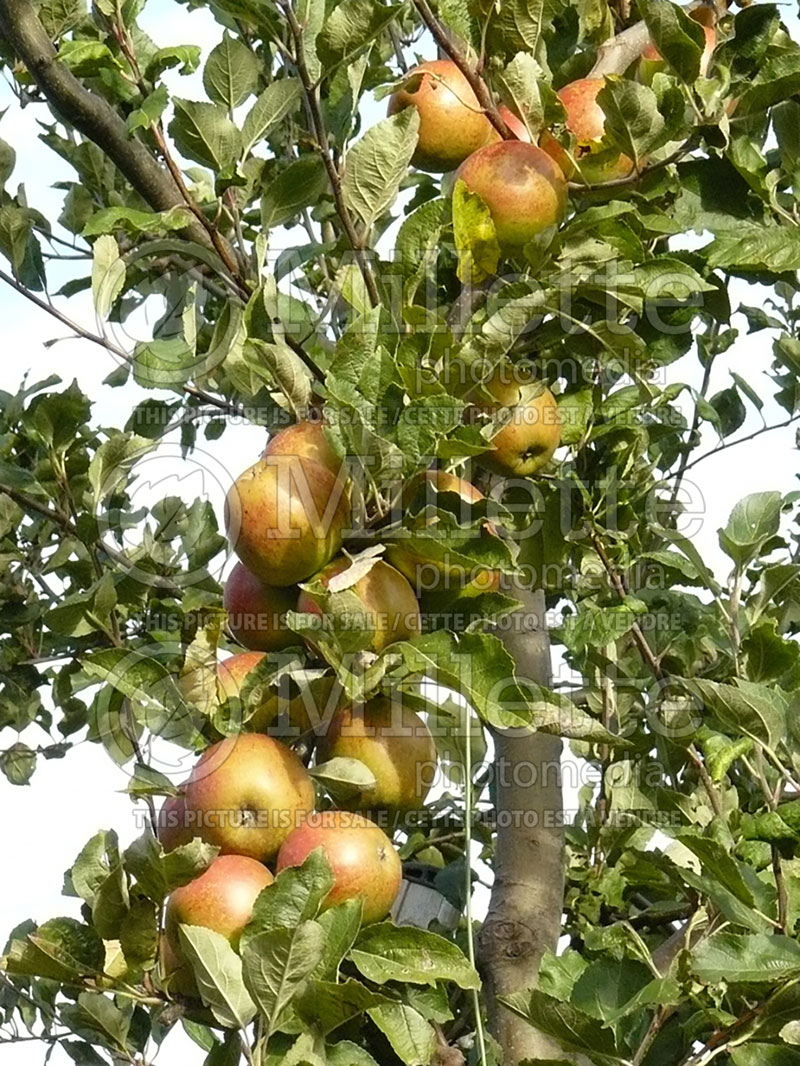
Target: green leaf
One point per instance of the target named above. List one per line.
(108, 274)
(742, 958)
(152, 108)
(96, 1015)
(350, 27)
(204, 132)
(520, 83)
(18, 763)
(475, 236)
(678, 38)
(157, 873)
(752, 247)
(294, 897)
(231, 72)
(60, 949)
(340, 925)
(387, 952)
(344, 778)
(606, 986)
(377, 164)
(185, 56)
(271, 108)
(755, 710)
(112, 462)
(276, 963)
(752, 522)
(87, 58)
(327, 1005)
(311, 16)
(217, 970)
(412, 1038)
(573, 1029)
(299, 185)
(758, 1054)
(346, 1053)
(477, 666)
(135, 222)
(633, 121)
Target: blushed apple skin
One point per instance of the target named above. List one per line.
(308, 441)
(285, 516)
(247, 794)
(528, 441)
(362, 859)
(451, 123)
(416, 568)
(171, 822)
(221, 899)
(257, 611)
(389, 605)
(394, 743)
(586, 121)
(232, 672)
(521, 185)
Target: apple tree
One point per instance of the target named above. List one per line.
(461, 301)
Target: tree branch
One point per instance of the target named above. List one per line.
(88, 113)
(527, 898)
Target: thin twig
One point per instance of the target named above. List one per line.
(322, 145)
(477, 84)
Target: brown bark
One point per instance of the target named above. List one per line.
(524, 918)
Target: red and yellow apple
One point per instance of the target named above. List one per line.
(172, 824)
(220, 899)
(523, 188)
(285, 516)
(590, 160)
(307, 440)
(452, 124)
(362, 859)
(247, 793)
(257, 612)
(385, 608)
(528, 439)
(394, 743)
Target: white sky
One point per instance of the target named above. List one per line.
(47, 823)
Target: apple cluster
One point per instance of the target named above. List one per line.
(523, 184)
(250, 794)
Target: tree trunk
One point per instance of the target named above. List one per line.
(524, 918)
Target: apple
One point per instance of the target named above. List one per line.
(257, 612)
(428, 575)
(362, 859)
(523, 188)
(652, 62)
(232, 673)
(220, 899)
(586, 121)
(452, 124)
(387, 607)
(172, 824)
(526, 442)
(247, 793)
(307, 440)
(394, 743)
(285, 517)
